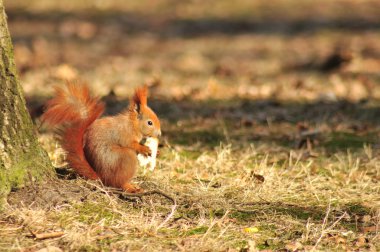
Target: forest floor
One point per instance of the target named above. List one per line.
(270, 117)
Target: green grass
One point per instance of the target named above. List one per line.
(342, 141)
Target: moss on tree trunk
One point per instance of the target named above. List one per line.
(21, 156)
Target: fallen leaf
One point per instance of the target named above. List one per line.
(50, 249)
(65, 72)
(339, 240)
(293, 246)
(258, 178)
(251, 230)
(366, 218)
(368, 229)
(361, 241)
(347, 233)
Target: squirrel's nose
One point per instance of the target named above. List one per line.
(158, 133)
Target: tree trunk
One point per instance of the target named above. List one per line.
(21, 156)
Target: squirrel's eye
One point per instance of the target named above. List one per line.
(150, 123)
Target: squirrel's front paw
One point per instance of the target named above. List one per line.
(145, 150)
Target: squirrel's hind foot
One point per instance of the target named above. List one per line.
(131, 188)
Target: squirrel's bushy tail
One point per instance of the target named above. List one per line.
(74, 110)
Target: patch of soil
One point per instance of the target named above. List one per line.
(51, 193)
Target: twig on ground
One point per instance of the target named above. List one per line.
(43, 236)
(244, 210)
(174, 207)
(125, 195)
(324, 224)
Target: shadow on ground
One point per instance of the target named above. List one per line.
(336, 126)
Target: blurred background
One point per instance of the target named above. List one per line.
(278, 72)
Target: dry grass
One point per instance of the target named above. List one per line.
(315, 203)
(263, 147)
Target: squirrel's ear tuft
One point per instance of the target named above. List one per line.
(141, 96)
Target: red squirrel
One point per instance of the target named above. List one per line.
(102, 148)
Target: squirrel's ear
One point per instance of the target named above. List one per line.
(136, 108)
(141, 96)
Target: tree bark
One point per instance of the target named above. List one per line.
(21, 156)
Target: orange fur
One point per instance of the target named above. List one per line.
(75, 110)
(107, 147)
(141, 96)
